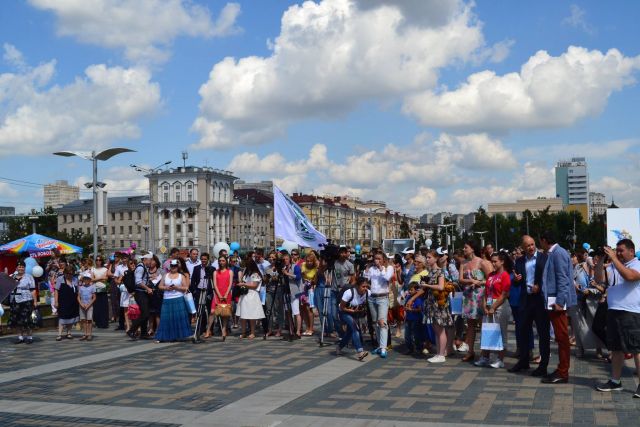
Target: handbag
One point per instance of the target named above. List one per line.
(191, 305)
(456, 303)
(491, 337)
(133, 311)
(222, 310)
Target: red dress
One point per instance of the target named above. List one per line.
(223, 280)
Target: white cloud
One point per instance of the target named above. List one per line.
(578, 19)
(144, 29)
(327, 60)
(547, 92)
(7, 191)
(104, 105)
(424, 198)
(126, 182)
(14, 57)
(590, 150)
(275, 163)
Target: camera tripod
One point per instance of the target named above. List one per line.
(282, 283)
(326, 300)
(201, 311)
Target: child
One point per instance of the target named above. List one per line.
(414, 328)
(86, 298)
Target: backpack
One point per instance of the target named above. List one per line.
(129, 281)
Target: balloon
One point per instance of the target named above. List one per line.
(37, 271)
(358, 248)
(289, 246)
(586, 246)
(638, 254)
(29, 263)
(134, 245)
(220, 246)
(428, 242)
(234, 247)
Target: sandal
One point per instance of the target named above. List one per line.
(69, 336)
(207, 335)
(469, 357)
(307, 333)
(362, 355)
(251, 336)
(84, 337)
(59, 338)
(241, 336)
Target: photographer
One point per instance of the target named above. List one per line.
(353, 306)
(623, 316)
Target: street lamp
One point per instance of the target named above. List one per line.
(152, 214)
(446, 233)
(481, 233)
(94, 156)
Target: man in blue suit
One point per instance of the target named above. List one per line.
(528, 277)
(559, 294)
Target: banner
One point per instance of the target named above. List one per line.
(292, 224)
(623, 223)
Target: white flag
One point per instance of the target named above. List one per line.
(292, 224)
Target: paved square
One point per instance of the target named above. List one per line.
(112, 381)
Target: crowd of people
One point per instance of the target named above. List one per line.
(436, 301)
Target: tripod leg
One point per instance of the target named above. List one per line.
(267, 324)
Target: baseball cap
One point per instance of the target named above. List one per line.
(148, 255)
(408, 251)
(441, 251)
(174, 262)
(86, 275)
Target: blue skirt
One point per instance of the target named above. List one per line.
(174, 321)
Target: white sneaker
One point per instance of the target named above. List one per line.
(463, 348)
(425, 352)
(482, 362)
(498, 364)
(437, 359)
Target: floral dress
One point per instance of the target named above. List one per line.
(472, 297)
(437, 309)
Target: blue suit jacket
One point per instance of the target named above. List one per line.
(541, 259)
(558, 278)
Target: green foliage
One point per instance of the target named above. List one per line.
(405, 231)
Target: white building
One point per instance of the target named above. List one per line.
(60, 193)
(597, 203)
(572, 183)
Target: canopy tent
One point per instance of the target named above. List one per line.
(39, 246)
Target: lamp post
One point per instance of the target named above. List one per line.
(481, 233)
(152, 213)
(94, 156)
(446, 233)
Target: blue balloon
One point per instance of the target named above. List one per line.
(29, 263)
(638, 254)
(586, 246)
(358, 248)
(1, 310)
(234, 246)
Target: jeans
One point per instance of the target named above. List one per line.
(352, 332)
(141, 322)
(379, 309)
(329, 326)
(414, 335)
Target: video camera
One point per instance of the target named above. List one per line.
(329, 253)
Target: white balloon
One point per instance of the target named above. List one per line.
(289, 246)
(220, 246)
(428, 242)
(37, 271)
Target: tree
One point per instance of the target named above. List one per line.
(405, 231)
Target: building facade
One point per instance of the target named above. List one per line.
(572, 183)
(350, 221)
(252, 222)
(6, 212)
(193, 207)
(127, 222)
(597, 203)
(60, 193)
(517, 209)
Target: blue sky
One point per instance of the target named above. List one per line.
(428, 104)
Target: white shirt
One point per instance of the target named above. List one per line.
(191, 265)
(119, 270)
(623, 295)
(353, 298)
(379, 279)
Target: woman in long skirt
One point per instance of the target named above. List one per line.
(174, 318)
(23, 301)
(66, 297)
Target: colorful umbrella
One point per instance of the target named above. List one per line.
(39, 246)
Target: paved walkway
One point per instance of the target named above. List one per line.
(111, 381)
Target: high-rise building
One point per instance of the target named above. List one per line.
(597, 203)
(572, 183)
(60, 193)
(469, 220)
(440, 217)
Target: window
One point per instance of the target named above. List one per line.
(130, 229)
(166, 242)
(122, 243)
(191, 213)
(178, 228)
(122, 229)
(113, 216)
(190, 242)
(138, 215)
(165, 197)
(190, 196)
(166, 228)
(130, 215)
(139, 229)
(190, 228)
(64, 218)
(178, 214)
(121, 216)
(73, 230)
(177, 196)
(165, 214)
(113, 229)
(88, 230)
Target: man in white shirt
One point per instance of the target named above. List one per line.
(192, 261)
(623, 315)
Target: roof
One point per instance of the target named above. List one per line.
(257, 196)
(194, 170)
(120, 203)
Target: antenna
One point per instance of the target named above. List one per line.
(185, 156)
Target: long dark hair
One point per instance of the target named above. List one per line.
(473, 245)
(251, 267)
(506, 261)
